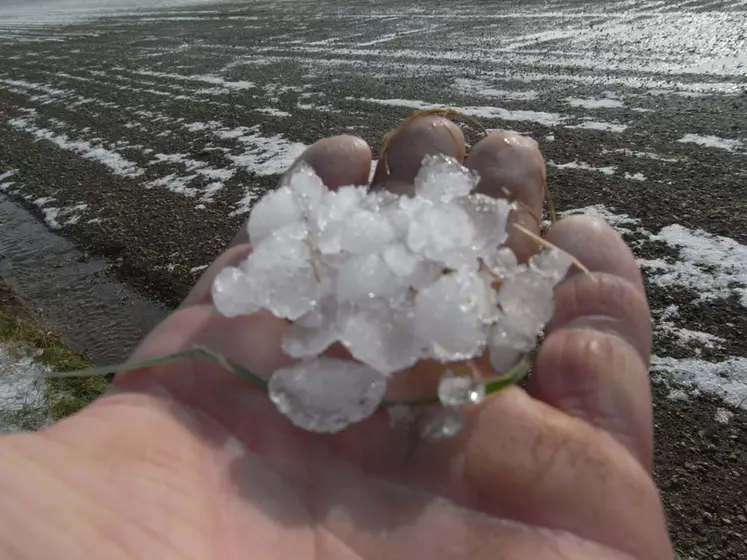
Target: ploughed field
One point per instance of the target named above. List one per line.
(145, 134)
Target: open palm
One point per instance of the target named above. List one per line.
(189, 461)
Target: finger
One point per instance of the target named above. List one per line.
(511, 166)
(526, 461)
(254, 341)
(593, 363)
(422, 136)
(339, 161)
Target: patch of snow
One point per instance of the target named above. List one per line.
(273, 112)
(621, 222)
(713, 266)
(595, 103)
(56, 217)
(635, 176)
(712, 142)
(539, 117)
(91, 150)
(22, 388)
(222, 83)
(727, 379)
(646, 155)
(610, 170)
(603, 126)
(723, 415)
(175, 183)
(196, 126)
(678, 395)
(686, 337)
(482, 89)
(8, 174)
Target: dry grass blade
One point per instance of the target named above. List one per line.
(577, 263)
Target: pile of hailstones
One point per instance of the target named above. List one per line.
(395, 279)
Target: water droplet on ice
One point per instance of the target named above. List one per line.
(326, 395)
(459, 391)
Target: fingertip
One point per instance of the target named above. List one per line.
(338, 160)
(509, 162)
(427, 134)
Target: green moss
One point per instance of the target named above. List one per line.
(27, 418)
(63, 396)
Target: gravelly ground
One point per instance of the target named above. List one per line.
(146, 135)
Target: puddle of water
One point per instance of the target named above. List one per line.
(92, 311)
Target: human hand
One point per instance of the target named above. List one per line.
(188, 461)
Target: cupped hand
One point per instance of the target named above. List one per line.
(189, 461)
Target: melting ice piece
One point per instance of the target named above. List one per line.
(527, 299)
(448, 316)
(416, 271)
(296, 231)
(380, 335)
(442, 423)
(272, 212)
(458, 391)
(443, 233)
(312, 333)
(326, 395)
(501, 262)
(366, 232)
(233, 293)
(365, 276)
(551, 263)
(327, 224)
(400, 260)
(308, 189)
(489, 217)
(443, 179)
(283, 277)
